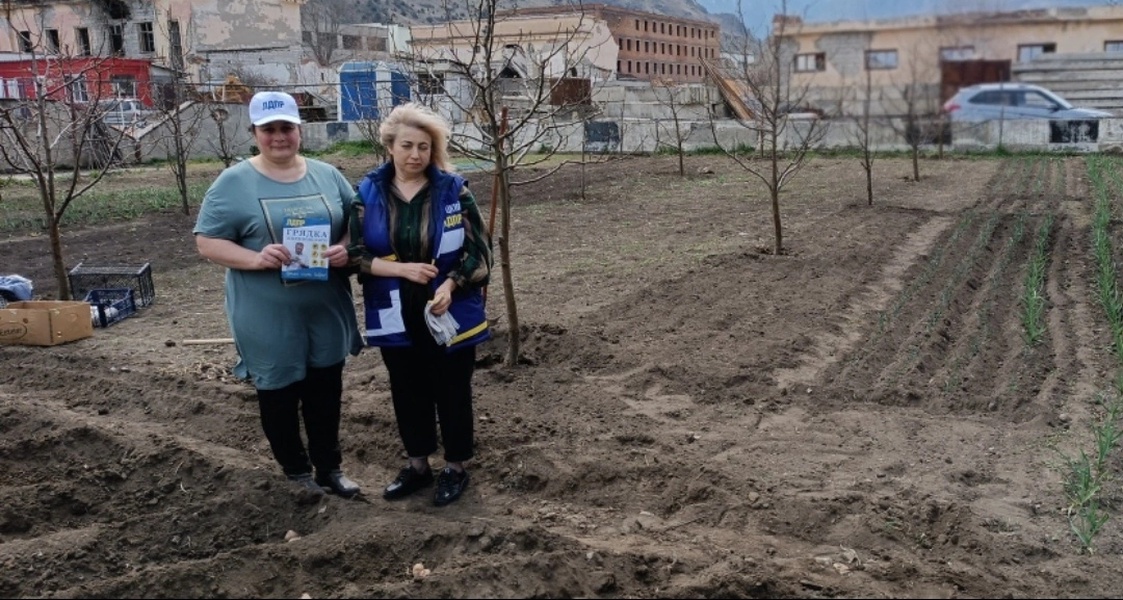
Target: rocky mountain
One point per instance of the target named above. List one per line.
(413, 12)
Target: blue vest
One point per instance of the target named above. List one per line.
(382, 295)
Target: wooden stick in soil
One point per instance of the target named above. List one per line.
(207, 341)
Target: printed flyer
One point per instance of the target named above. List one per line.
(307, 240)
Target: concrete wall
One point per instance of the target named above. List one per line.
(606, 133)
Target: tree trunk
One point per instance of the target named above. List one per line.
(916, 163)
(869, 180)
(56, 255)
(775, 191)
(503, 240)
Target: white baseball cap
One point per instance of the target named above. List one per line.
(266, 107)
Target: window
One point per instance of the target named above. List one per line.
(1034, 99)
(116, 39)
(954, 53)
(25, 44)
(637, 24)
(78, 90)
(431, 83)
(52, 41)
(881, 59)
(628, 44)
(378, 44)
(1113, 46)
(1028, 52)
(124, 86)
(146, 38)
(810, 62)
(352, 42)
(306, 37)
(83, 36)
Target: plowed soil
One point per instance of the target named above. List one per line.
(693, 416)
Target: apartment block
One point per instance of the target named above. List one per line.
(652, 46)
(932, 56)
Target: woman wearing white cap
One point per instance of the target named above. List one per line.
(292, 338)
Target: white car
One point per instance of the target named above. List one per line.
(123, 112)
(995, 101)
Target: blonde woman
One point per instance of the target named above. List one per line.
(421, 246)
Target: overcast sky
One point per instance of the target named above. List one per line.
(758, 13)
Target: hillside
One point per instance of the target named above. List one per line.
(412, 12)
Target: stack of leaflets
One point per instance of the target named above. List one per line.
(307, 239)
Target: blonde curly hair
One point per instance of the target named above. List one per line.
(420, 117)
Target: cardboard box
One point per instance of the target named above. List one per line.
(44, 323)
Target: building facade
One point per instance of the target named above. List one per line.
(933, 55)
(564, 44)
(652, 46)
(206, 40)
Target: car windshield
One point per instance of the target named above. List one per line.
(1065, 104)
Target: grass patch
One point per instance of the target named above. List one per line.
(25, 214)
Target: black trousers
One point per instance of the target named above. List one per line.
(318, 398)
(427, 381)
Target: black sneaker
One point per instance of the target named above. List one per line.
(407, 482)
(450, 484)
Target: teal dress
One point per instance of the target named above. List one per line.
(280, 329)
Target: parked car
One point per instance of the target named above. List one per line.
(994, 101)
(123, 112)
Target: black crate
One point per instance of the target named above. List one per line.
(109, 306)
(84, 278)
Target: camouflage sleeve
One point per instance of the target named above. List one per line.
(357, 253)
(474, 270)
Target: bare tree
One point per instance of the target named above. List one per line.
(515, 89)
(764, 72)
(58, 127)
(227, 139)
(918, 105)
(369, 130)
(181, 117)
(320, 21)
(863, 131)
(671, 97)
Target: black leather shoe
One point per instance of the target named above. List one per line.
(304, 480)
(337, 483)
(450, 484)
(407, 482)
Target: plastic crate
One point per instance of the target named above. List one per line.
(84, 278)
(108, 306)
